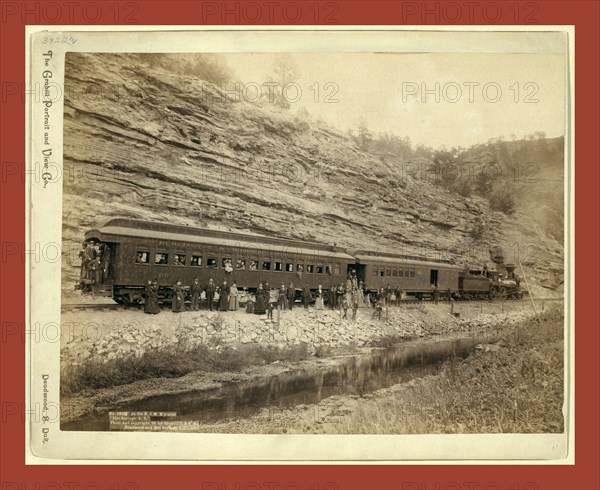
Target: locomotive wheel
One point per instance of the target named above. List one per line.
(493, 293)
(502, 293)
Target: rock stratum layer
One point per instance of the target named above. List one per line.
(145, 143)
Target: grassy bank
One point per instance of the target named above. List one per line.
(513, 386)
(171, 361)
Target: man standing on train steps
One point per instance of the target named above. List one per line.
(210, 294)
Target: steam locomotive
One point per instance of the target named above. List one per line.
(122, 255)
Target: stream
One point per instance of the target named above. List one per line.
(352, 375)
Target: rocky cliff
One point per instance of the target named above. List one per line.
(145, 143)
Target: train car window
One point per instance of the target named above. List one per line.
(289, 267)
(266, 266)
(412, 272)
(394, 272)
(142, 257)
(161, 258)
(227, 263)
(310, 268)
(328, 270)
(400, 272)
(337, 269)
(196, 261)
(375, 271)
(381, 271)
(240, 264)
(178, 259)
(253, 265)
(319, 269)
(278, 266)
(211, 262)
(388, 272)
(300, 268)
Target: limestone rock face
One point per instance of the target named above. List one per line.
(142, 142)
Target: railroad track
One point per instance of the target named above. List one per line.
(116, 306)
(90, 306)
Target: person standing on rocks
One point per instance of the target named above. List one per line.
(354, 304)
(291, 294)
(233, 297)
(178, 303)
(195, 290)
(224, 297)
(272, 302)
(379, 304)
(306, 296)
(210, 294)
(344, 307)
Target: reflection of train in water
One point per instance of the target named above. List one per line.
(121, 256)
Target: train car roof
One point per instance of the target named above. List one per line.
(121, 227)
(400, 260)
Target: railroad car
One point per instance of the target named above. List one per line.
(131, 252)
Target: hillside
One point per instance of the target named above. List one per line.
(145, 143)
(533, 170)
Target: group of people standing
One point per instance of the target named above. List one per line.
(268, 299)
(350, 295)
(226, 297)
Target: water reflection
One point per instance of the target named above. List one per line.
(357, 375)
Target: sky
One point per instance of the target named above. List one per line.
(478, 96)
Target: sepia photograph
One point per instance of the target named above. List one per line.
(335, 240)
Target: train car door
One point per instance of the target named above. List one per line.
(433, 277)
(361, 272)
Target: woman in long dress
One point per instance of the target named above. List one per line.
(151, 305)
(224, 297)
(178, 303)
(261, 301)
(319, 295)
(233, 297)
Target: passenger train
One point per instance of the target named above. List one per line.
(123, 254)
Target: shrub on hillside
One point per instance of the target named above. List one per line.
(503, 201)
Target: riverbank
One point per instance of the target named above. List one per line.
(141, 355)
(512, 385)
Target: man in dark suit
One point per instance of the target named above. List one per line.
(210, 294)
(306, 296)
(291, 294)
(195, 290)
(331, 298)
